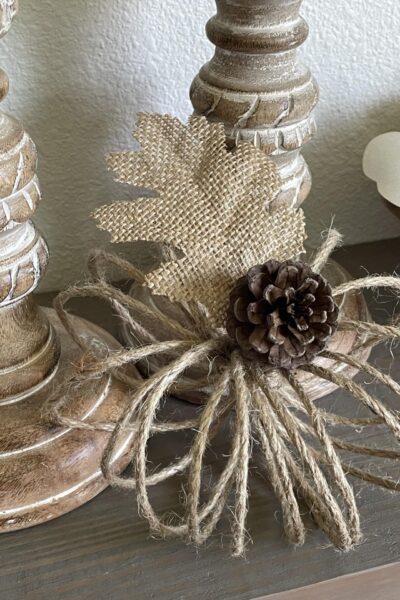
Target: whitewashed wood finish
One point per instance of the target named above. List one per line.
(257, 87)
(29, 349)
(45, 470)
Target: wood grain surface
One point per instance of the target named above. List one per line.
(103, 551)
(382, 583)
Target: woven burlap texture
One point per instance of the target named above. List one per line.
(213, 204)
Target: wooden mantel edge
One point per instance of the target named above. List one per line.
(381, 582)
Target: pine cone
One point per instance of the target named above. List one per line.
(282, 314)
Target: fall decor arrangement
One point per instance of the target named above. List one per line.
(257, 86)
(259, 313)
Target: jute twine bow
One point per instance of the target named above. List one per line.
(300, 454)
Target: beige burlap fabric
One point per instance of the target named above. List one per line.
(213, 205)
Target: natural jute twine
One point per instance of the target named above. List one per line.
(300, 455)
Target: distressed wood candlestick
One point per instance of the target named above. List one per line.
(257, 87)
(45, 470)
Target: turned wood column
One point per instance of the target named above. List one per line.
(257, 87)
(46, 469)
(29, 350)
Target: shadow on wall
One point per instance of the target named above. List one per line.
(335, 158)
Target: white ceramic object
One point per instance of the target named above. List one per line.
(382, 164)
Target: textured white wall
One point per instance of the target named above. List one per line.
(81, 69)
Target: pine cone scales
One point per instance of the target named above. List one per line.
(282, 314)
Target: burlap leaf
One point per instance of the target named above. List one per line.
(213, 204)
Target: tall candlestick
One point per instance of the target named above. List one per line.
(45, 470)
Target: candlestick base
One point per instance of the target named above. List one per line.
(47, 470)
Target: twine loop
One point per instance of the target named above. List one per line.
(270, 415)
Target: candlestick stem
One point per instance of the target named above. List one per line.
(257, 87)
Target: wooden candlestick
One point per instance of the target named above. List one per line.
(45, 470)
(256, 86)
